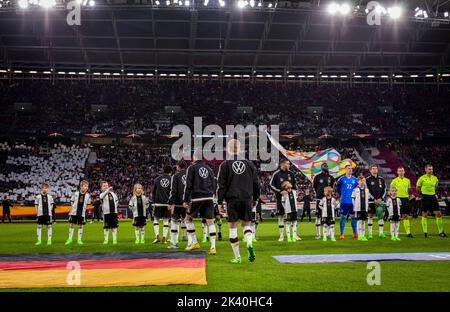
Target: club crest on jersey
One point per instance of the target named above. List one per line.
(164, 182)
(372, 183)
(321, 181)
(238, 167)
(203, 172)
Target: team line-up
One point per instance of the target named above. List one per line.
(194, 191)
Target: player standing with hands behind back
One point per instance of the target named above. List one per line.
(320, 182)
(238, 185)
(110, 204)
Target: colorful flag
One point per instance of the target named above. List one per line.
(309, 163)
(101, 269)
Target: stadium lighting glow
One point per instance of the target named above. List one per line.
(23, 4)
(33, 72)
(414, 76)
(91, 3)
(333, 8)
(445, 14)
(167, 2)
(222, 3)
(380, 10)
(206, 2)
(252, 3)
(47, 4)
(157, 2)
(270, 5)
(187, 2)
(430, 75)
(259, 4)
(241, 4)
(445, 75)
(395, 12)
(344, 9)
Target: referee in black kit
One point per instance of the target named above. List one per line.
(238, 186)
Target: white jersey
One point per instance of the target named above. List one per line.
(392, 208)
(134, 207)
(289, 202)
(327, 207)
(44, 205)
(360, 199)
(110, 202)
(79, 204)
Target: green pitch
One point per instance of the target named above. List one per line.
(265, 274)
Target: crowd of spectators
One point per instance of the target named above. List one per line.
(139, 107)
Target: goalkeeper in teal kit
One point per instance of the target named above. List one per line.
(344, 187)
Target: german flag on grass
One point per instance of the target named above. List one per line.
(102, 269)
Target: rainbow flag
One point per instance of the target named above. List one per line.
(309, 163)
(102, 269)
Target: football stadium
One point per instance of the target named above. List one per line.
(205, 146)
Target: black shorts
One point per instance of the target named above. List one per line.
(292, 216)
(110, 221)
(161, 212)
(179, 213)
(394, 218)
(405, 209)
(204, 209)
(361, 215)
(44, 220)
(239, 210)
(328, 221)
(77, 220)
(140, 221)
(429, 203)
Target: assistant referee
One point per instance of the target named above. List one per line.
(426, 186)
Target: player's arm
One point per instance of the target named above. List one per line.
(256, 184)
(419, 186)
(188, 187)
(103, 195)
(36, 203)
(173, 190)
(272, 184)
(221, 183)
(294, 181)
(353, 197)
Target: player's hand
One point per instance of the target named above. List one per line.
(283, 192)
(186, 205)
(110, 189)
(221, 208)
(253, 204)
(171, 207)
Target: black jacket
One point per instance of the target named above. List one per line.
(278, 178)
(237, 180)
(177, 184)
(161, 190)
(320, 182)
(376, 186)
(200, 182)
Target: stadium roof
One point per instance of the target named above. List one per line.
(297, 37)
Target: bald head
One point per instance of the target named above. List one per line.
(234, 147)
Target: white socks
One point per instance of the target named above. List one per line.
(234, 242)
(248, 235)
(317, 226)
(294, 228)
(212, 234)
(106, 234)
(394, 229)
(281, 225)
(370, 225)
(71, 231)
(361, 228)
(49, 232)
(39, 232)
(114, 234)
(165, 228)
(380, 226)
(191, 232)
(80, 232)
(325, 230)
(174, 231)
(288, 229)
(137, 233)
(205, 231)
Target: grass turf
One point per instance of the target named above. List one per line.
(265, 274)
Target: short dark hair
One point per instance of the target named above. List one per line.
(284, 160)
(400, 167)
(428, 165)
(373, 166)
(167, 169)
(182, 164)
(347, 165)
(44, 184)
